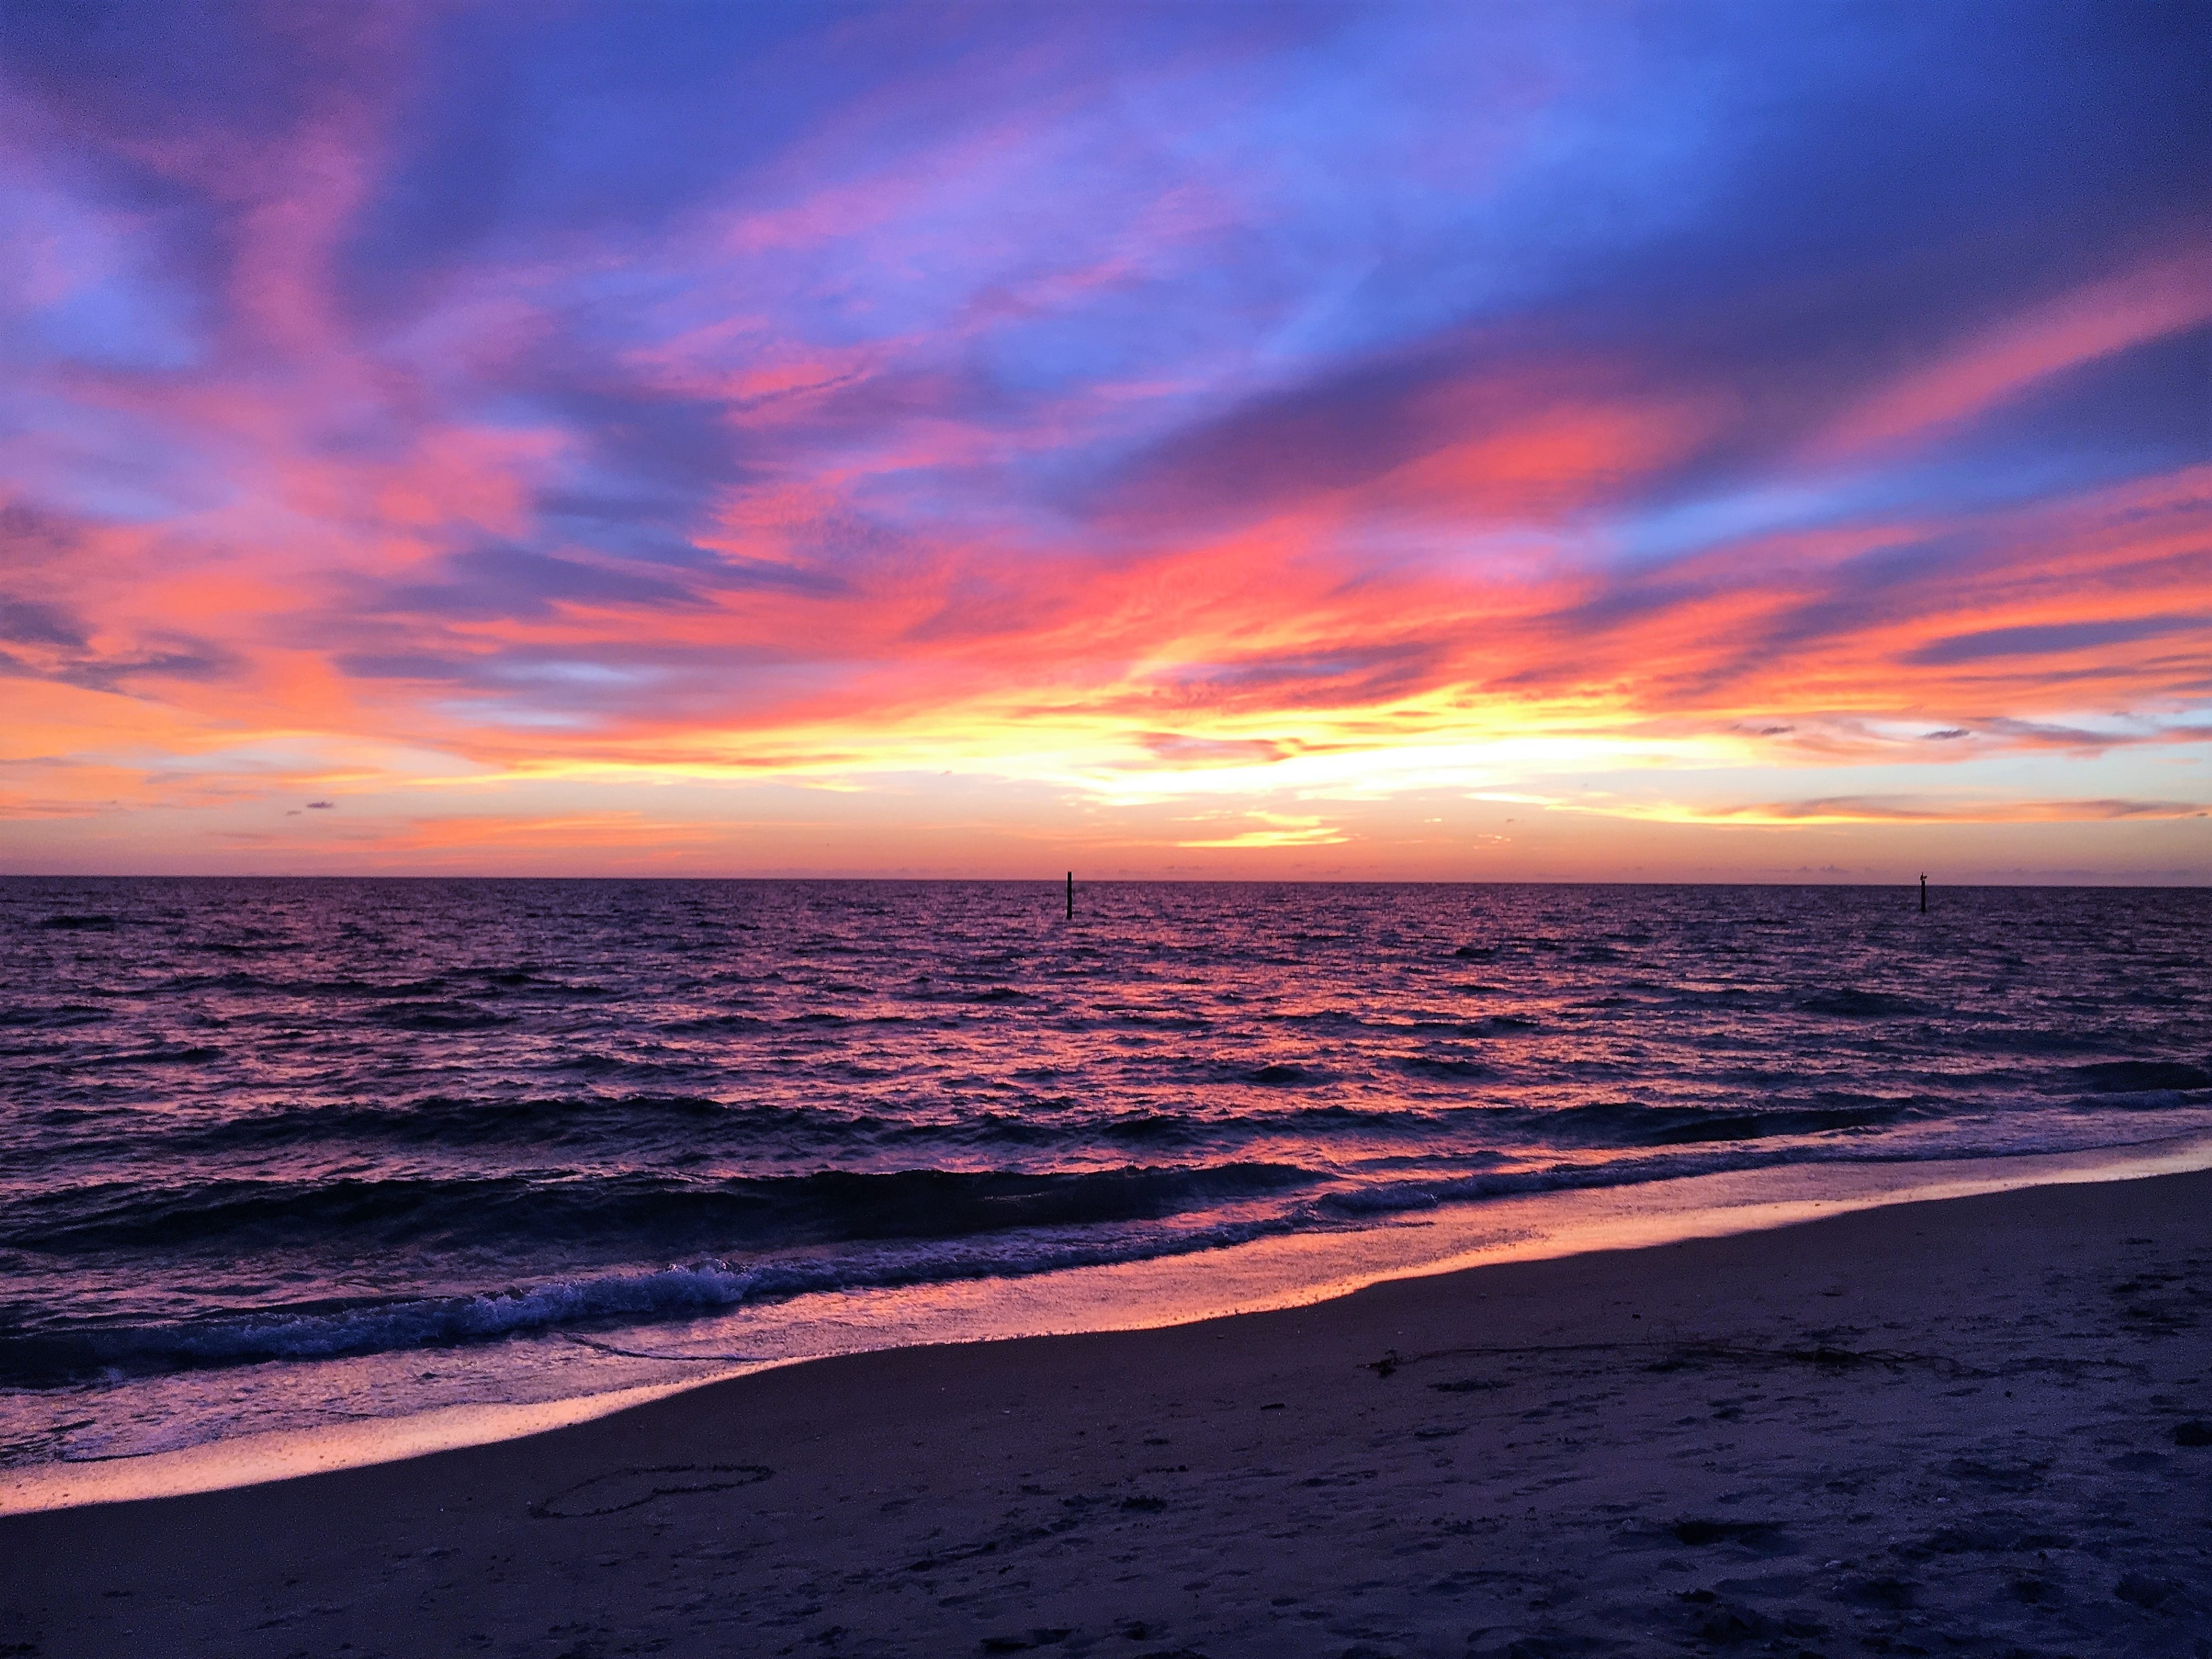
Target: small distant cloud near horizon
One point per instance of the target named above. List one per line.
(322, 806)
(1948, 733)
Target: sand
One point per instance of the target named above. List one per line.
(1971, 1427)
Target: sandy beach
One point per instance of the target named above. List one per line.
(1971, 1426)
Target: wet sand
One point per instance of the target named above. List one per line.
(1973, 1426)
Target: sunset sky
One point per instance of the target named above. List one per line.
(1467, 442)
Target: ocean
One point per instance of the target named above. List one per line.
(276, 1154)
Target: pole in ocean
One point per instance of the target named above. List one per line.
(1924, 894)
(1071, 894)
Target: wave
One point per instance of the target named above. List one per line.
(713, 1024)
(1627, 1124)
(655, 1128)
(327, 1331)
(1452, 1068)
(628, 1120)
(1623, 1125)
(332, 1330)
(165, 1054)
(1285, 1074)
(483, 982)
(2120, 1077)
(447, 1015)
(629, 1212)
(1190, 1130)
(1393, 1197)
(55, 1016)
(1852, 1004)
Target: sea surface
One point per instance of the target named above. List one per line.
(281, 1153)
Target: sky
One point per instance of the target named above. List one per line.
(1482, 442)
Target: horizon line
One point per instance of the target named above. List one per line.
(1054, 883)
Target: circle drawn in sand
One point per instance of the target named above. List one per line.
(626, 1489)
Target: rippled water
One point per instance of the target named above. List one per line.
(256, 1128)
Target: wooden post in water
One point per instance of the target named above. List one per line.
(1071, 894)
(1924, 894)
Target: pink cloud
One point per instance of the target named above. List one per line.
(2002, 361)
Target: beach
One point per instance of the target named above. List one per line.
(1976, 1425)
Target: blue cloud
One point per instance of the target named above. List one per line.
(2049, 639)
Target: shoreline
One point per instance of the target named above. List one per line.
(1965, 1425)
(1142, 1295)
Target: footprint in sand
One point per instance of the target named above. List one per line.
(626, 1489)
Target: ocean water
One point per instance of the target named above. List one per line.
(275, 1153)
